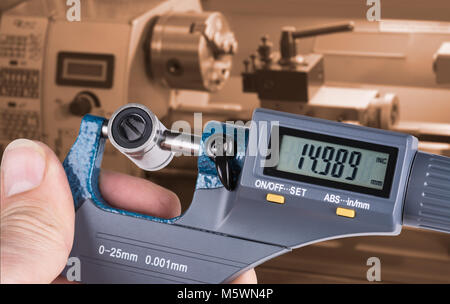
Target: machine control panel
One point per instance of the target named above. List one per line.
(22, 43)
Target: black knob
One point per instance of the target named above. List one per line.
(131, 128)
(83, 103)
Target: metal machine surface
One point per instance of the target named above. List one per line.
(296, 83)
(378, 75)
(329, 180)
(63, 70)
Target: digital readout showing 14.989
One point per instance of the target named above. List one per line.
(333, 162)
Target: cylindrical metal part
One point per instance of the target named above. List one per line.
(265, 49)
(191, 50)
(383, 112)
(187, 144)
(288, 48)
(136, 132)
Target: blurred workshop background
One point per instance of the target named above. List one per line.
(392, 73)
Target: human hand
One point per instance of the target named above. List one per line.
(37, 215)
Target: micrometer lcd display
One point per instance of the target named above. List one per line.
(335, 162)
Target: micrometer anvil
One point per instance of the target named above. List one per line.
(244, 213)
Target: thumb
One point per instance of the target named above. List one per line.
(37, 214)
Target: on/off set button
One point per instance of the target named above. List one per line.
(275, 198)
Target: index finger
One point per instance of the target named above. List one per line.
(138, 195)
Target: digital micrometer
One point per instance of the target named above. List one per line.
(283, 182)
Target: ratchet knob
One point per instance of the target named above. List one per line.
(132, 127)
(136, 132)
(427, 202)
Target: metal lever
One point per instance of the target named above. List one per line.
(324, 30)
(288, 47)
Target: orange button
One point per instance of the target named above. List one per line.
(275, 198)
(345, 212)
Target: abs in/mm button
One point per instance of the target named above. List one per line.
(275, 198)
(345, 212)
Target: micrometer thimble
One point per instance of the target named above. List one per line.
(136, 132)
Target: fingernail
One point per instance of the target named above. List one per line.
(23, 166)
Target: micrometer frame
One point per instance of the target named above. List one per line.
(223, 233)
